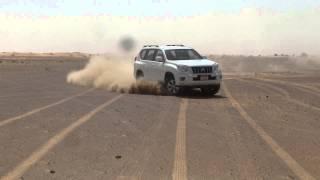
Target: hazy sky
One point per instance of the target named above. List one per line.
(212, 26)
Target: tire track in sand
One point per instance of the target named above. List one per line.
(180, 162)
(276, 148)
(308, 89)
(26, 164)
(283, 92)
(34, 111)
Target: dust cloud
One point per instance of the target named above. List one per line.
(113, 74)
(277, 64)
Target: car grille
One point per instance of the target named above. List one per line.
(202, 70)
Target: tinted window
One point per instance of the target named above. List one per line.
(143, 54)
(150, 54)
(160, 53)
(182, 54)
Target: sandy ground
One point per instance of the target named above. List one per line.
(264, 124)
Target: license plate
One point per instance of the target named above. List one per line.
(204, 78)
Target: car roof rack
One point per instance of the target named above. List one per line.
(175, 45)
(151, 46)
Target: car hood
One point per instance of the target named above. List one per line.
(196, 62)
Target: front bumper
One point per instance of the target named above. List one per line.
(193, 80)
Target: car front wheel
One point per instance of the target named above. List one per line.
(170, 86)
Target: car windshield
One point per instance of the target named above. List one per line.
(182, 54)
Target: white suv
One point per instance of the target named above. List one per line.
(177, 67)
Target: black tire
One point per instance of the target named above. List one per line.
(211, 90)
(170, 86)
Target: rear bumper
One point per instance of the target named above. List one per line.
(193, 80)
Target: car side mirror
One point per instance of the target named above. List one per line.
(159, 59)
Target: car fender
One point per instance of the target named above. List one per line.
(138, 65)
(172, 68)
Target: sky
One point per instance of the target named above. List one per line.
(212, 26)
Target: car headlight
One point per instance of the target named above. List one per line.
(183, 68)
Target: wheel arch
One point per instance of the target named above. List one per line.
(138, 73)
(167, 75)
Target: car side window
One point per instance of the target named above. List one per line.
(159, 53)
(150, 54)
(143, 54)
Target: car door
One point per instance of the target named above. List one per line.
(148, 60)
(157, 67)
(140, 62)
